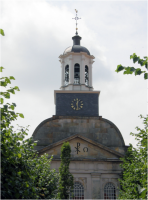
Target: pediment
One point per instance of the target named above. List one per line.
(82, 148)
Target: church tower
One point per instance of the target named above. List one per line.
(76, 97)
(96, 143)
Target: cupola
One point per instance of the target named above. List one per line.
(76, 67)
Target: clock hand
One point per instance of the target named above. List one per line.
(77, 104)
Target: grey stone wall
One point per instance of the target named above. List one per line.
(95, 128)
(64, 101)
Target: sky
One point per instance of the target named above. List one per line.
(38, 32)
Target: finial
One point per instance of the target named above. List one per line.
(76, 18)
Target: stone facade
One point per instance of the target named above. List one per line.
(93, 176)
(97, 146)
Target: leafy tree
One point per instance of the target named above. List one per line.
(137, 71)
(134, 178)
(66, 178)
(24, 174)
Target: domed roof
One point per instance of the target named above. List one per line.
(77, 48)
(108, 134)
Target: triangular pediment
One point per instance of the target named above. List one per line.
(82, 148)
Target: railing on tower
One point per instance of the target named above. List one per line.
(76, 81)
(66, 81)
(86, 82)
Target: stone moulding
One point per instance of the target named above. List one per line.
(83, 138)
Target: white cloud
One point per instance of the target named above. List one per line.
(37, 32)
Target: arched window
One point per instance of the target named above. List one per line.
(77, 74)
(66, 74)
(109, 191)
(78, 191)
(86, 75)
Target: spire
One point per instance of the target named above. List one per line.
(76, 18)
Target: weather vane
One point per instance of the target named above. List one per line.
(76, 18)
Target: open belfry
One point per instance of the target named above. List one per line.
(96, 143)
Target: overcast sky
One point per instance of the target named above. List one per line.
(37, 32)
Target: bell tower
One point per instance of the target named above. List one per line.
(76, 96)
(76, 67)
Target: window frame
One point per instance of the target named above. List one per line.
(79, 191)
(86, 75)
(77, 79)
(113, 191)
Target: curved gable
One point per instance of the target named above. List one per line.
(97, 129)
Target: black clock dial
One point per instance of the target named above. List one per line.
(77, 104)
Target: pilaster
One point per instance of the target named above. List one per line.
(71, 70)
(62, 72)
(82, 70)
(96, 185)
(90, 72)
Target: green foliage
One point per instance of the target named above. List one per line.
(137, 71)
(134, 179)
(66, 178)
(24, 174)
(2, 32)
(45, 179)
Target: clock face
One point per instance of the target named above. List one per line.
(77, 104)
